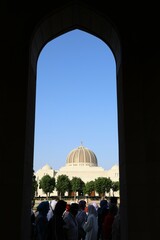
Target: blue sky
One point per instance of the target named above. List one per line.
(76, 100)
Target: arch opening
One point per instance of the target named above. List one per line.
(76, 98)
(70, 18)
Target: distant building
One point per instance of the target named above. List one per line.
(81, 162)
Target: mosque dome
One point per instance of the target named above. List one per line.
(46, 167)
(81, 156)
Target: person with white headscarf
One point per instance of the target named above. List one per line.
(52, 207)
(96, 206)
(91, 225)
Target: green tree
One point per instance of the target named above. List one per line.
(34, 185)
(77, 185)
(102, 185)
(63, 184)
(47, 184)
(115, 186)
(89, 187)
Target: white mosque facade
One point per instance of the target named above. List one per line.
(81, 162)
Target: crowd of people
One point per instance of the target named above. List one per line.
(59, 220)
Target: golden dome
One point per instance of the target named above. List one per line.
(81, 156)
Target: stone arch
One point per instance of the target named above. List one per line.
(67, 18)
(73, 17)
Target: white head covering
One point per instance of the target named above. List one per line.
(52, 207)
(53, 204)
(95, 205)
(92, 210)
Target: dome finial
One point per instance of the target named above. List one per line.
(81, 143)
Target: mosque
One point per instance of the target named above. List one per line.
(81, 162)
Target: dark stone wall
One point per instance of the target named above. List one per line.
(138, 106)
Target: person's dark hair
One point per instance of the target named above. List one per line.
(104, 203)
(43, 207)
(60, 207)
(113, 200)
(82, 204)
(74, 208)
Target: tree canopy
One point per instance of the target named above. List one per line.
(47, 184)
(77, 185)
(102, 185)
(63, 184)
